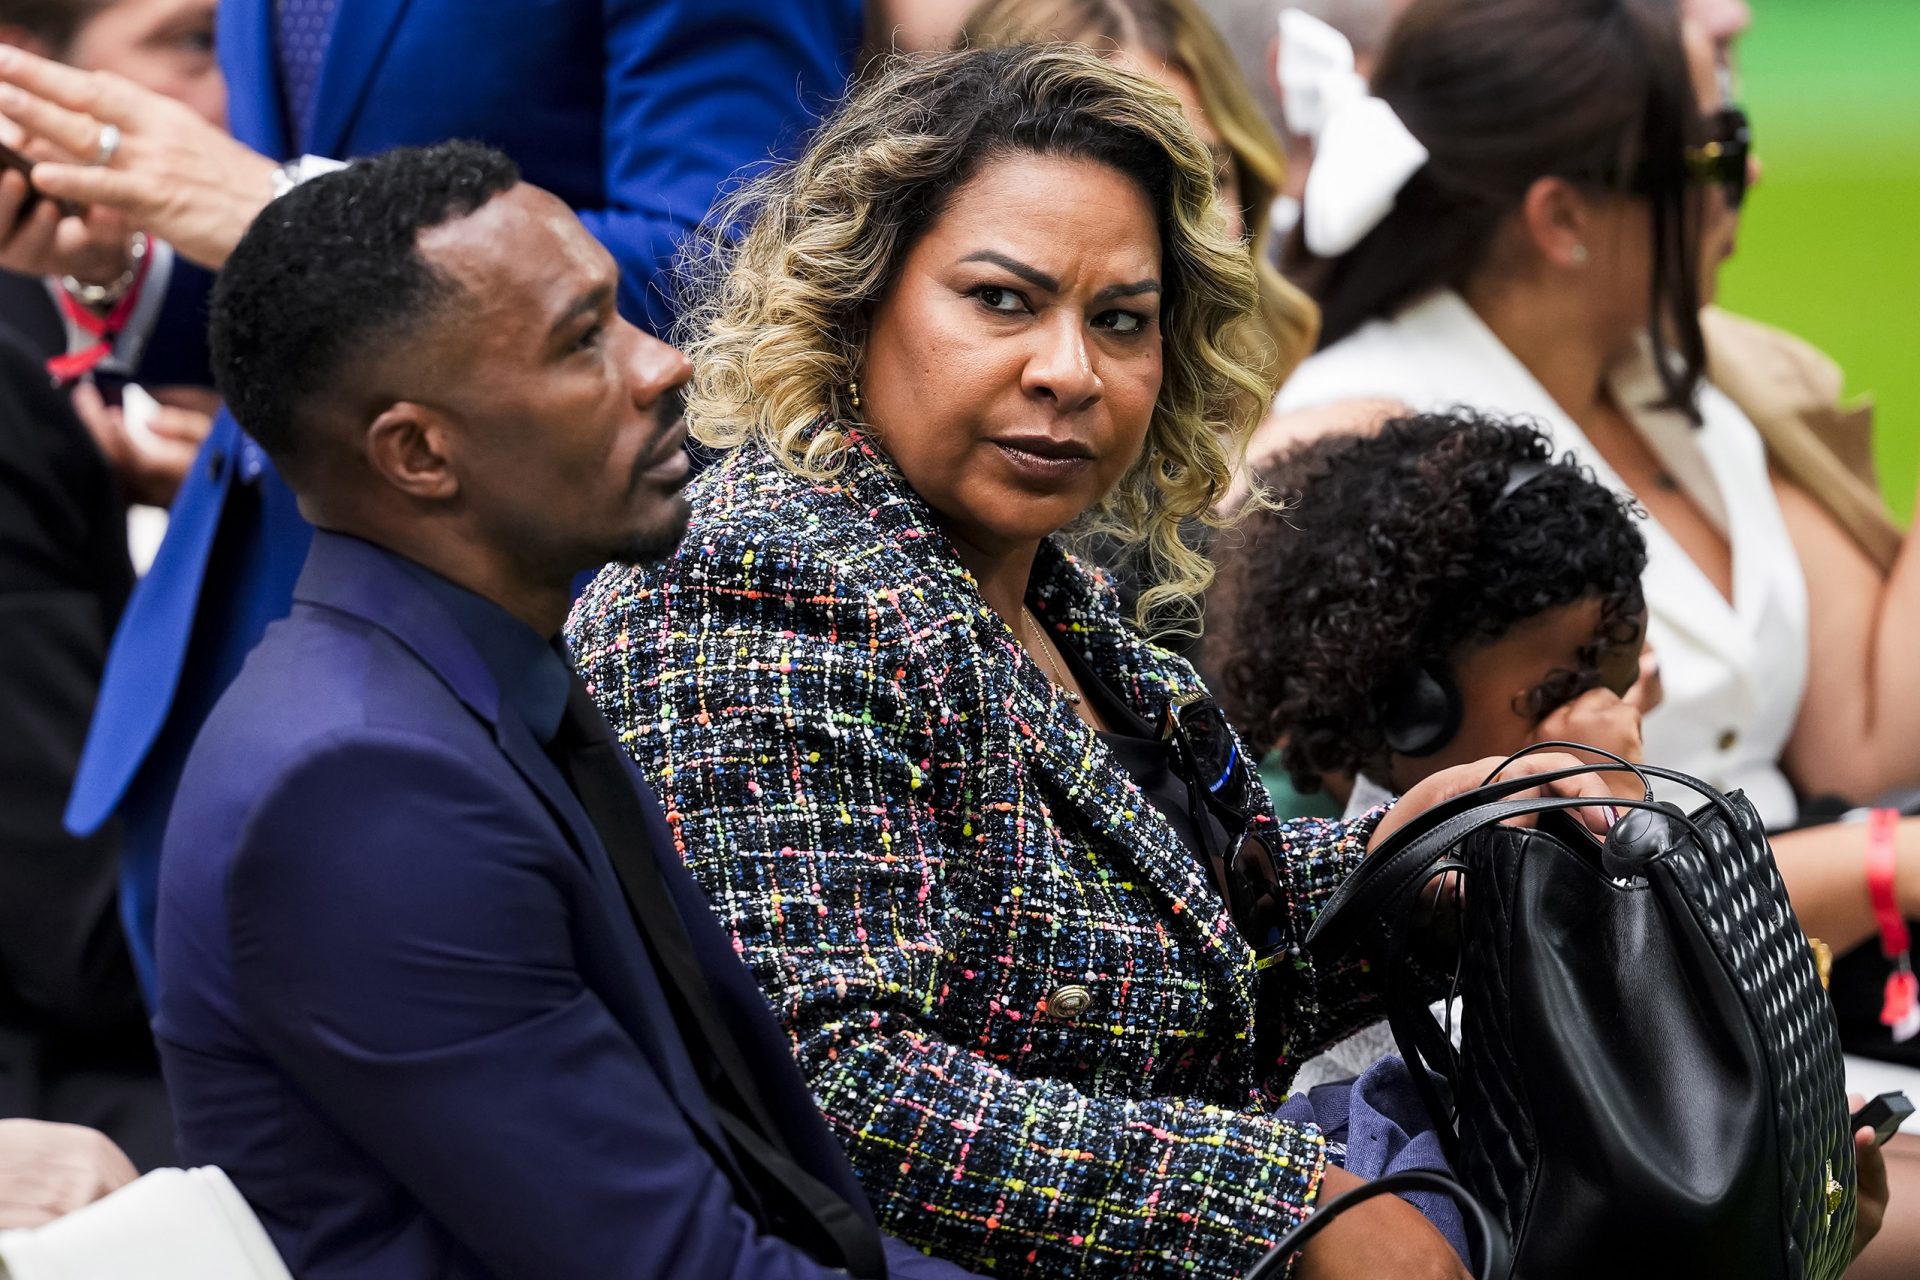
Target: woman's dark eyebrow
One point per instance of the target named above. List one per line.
(1032, 275)
(1041, 280)
(1133, 290)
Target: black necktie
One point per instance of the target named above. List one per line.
(789, 1201)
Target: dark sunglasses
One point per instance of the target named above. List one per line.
(1247, 871)
(1722, 160)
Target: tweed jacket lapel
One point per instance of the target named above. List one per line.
(1082, 610)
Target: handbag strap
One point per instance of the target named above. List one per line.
(842, 1235)
(1402, 862)
(1430, 1057)
(1485, 1238)
(1644, 772)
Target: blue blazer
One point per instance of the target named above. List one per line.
(633, 111)
(402, 1003)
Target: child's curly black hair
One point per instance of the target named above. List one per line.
(1397, 549)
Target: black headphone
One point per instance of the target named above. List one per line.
(1419, 710)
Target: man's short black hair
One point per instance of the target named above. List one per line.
(1399, 550)
(331, 270)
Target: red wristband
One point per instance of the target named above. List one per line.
(1901, 1010)
(1883, 827)
(104, 330)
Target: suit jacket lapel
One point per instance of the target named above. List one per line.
(1081, 612)
(526, 755)
(360, 579)
(362, 30)
(255, 110)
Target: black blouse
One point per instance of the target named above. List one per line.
(1149, 761)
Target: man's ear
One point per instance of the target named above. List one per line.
(1559, 222)
(408, 447)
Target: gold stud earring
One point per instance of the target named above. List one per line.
(853, 390)
(1579, 255)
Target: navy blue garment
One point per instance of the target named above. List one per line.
(635, 112)
(402, 1002)
(1376, 1125)
(174, 350)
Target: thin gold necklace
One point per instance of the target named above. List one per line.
(1046, 652)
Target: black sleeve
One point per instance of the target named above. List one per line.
(64, 575)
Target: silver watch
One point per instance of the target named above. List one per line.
(286, 177)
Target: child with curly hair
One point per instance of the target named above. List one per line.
(1438, 591)
(1443, 589)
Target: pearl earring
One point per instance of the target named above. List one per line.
(1579, 255)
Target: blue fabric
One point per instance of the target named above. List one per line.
(237, 527)
(176, 350)
(402, 1002)
(633, 111)
(532, 672)
(1376, 1125)
(300, 30)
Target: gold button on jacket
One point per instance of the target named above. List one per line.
(1069, 1001)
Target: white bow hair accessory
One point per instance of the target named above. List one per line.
(1362, 153)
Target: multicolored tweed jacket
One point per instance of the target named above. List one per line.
(1015, 994)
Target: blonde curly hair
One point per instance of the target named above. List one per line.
(775, 318)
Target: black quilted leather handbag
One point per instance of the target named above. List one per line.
(1649, 1081)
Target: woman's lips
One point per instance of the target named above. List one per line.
(1043, 459)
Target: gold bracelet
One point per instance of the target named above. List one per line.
(1822, 960)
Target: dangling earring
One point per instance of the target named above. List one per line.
(1579, 255)
(853, 390)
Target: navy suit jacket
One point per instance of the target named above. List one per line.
(635, 112)
(402, 1002)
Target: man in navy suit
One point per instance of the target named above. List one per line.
(434, 988)
(635, 112)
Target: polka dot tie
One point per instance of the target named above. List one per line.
(300, 33)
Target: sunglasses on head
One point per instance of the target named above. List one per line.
(1722, 160)
(1247, 871)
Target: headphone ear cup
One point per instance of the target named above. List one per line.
(1420, 714)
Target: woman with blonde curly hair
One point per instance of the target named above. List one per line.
(1031, 926)
(1173, 42)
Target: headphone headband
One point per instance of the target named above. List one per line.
(1522, 474)
(1421, 711)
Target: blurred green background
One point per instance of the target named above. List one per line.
(1830, 241)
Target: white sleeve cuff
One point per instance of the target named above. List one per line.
(294, 172)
